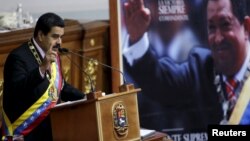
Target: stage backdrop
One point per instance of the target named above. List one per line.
(176, 27)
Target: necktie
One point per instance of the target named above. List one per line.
(231, 86)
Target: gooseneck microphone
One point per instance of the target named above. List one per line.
(65, 50)
(90, 80)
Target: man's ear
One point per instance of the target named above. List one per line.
(40, 35)
(247, 23)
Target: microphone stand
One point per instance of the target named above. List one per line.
(122, 88)
(93, 94)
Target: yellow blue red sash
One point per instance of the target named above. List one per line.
(241, 112)
(36, 112)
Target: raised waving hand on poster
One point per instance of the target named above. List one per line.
(137, 19)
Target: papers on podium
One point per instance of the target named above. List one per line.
(145, 133)
(69, 103)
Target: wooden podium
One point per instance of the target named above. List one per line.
(112, 117)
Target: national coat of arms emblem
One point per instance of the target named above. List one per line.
(120, 120)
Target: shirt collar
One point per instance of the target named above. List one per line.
(41, 52)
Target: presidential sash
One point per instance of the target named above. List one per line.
(40, 109)
(241, 112)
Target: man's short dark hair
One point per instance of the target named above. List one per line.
(46, 22)
(239, 8)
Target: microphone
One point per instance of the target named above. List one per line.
(65, 50)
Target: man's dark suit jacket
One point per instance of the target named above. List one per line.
(176, 95)
(23, 85)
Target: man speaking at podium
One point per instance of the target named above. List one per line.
(33, 83)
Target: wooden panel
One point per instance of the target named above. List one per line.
(70, 71)
(81, 123)
(115, 44)
(93, 48)
(129, 101)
